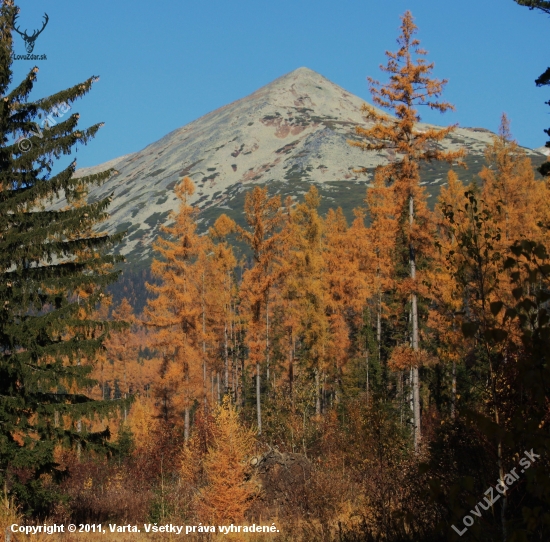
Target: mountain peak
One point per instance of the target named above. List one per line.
(287, 134)
(303, 73)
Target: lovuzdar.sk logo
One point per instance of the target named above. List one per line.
(30, 40)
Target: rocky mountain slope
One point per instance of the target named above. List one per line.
(288, 134)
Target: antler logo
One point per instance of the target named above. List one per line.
(29, 40)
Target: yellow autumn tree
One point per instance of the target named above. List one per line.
(446, 305)
(222, 263)
(230, 483)
(509, 187)
(122, 352)
(407, 146)
(382, 235)
(176, 311)
(346, 257)
(304, 290)
(263, 216)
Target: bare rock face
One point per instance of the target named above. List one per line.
(282, 476)
(286, 135)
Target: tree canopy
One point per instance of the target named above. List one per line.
(53, 269)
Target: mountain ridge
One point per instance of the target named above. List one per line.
(287, 134)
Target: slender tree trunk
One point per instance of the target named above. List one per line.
(125, 392)
(453, 391)
(225, 359)
(267, 335)
(219, 390)
(79, 430)
(291, 371)
(258, 399)
(414, 310)
(241, 382)
(367, 362)
(79, 426)
(326, 393)
(204, 348)
(103, 381)
(500, 461)
(234, 353)
(411, 400)
(379, 327)
(400, 393)
(186, 425)
(317, 394)
(212, 386)
(416, 401)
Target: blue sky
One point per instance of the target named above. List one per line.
(165, 63)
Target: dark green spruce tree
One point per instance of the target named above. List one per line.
(48, 337)
(544, 78)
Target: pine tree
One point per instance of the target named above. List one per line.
(409, 87)
(544, 78)
(46, 258)
(543, 5)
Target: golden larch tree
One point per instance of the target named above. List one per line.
(446, 305)
(409, 87)
(122, 352)
(176, 310)
(304, 288)
(230, 481)
(264, 216)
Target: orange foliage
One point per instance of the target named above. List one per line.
(175, 312)
(229, 482)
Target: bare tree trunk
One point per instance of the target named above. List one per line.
(219, 391)
(291, 370)
(379, 326)
(500, 462)
(125, 393)
(186, 426)
(234, 353)
(204, 348)
(205, 400)
(367, 360)
(79, 426)
(411, 400)
(324, 394)
(258, 401)
(400, 393)
(416, 401)
(212, 386)
(453, 391)
(317, 394)
(414, 311)
(225, 359)
(267, 336)
(241, 383)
